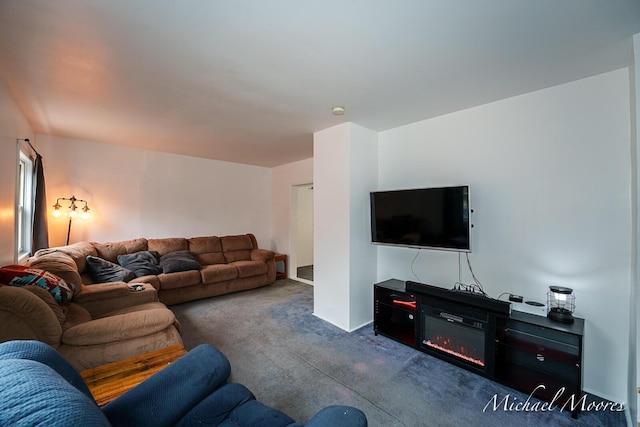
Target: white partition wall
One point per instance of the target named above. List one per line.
(345, 171)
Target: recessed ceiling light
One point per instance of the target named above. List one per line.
(337, 111)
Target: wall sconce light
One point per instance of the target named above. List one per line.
(73, 211)
(561, 303)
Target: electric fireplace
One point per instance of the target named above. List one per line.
(458, 326)
(456, 333)
(458, 336)
(482, 335)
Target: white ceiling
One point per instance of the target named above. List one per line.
(249, 81)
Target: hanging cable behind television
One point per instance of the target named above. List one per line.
(476, 286)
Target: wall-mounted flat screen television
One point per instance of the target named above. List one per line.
(435, 218)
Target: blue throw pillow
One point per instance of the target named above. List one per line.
(143, 263)
(103, 271)
(178, 261)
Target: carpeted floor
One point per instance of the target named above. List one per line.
(295, 362)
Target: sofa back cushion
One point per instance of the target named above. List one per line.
(111, 250)
(171, 244)
(207, 250)
(238, 248)
(58, 263)
(78, 252)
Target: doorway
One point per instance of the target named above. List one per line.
(301, 267)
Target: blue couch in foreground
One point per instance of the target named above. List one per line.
(39, 387)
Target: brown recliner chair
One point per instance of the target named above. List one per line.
(86, 339)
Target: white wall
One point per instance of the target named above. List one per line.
(331, 225)
(13, 125)
(284, 180)
(345, 171)
(139, 193)
(550, 185)
(362, 254)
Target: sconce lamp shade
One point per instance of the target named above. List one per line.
(73, 208)
(56, 210)
(561, 303)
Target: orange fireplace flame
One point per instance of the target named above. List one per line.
(458, 350)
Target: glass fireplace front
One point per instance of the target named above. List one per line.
(455, 334)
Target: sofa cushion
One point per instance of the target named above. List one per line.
(179, 279)
(215, 273)
(236, 243)
(111, 250)
(178, 261)
(103, 271)
(143, 263)
(58, 263)
(255, 413)
(237, 248)
(119, 327)
(76, 315)
(22, 275)
(207, 250)
(165, 246)
(250, 268)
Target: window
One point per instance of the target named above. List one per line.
(24, 205)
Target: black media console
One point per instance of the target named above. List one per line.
(529, 353)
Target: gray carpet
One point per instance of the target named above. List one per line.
(295, 362)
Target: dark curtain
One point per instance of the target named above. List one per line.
(40, 232)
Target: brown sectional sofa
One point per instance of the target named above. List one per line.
(228, 264)
(89, 335)
(107, 322)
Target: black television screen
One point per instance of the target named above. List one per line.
(436, 218)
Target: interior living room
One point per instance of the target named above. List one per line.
(206, 118)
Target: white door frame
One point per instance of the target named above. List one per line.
(293, 233)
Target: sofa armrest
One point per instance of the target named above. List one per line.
(101, 291)
(43, 353)
(26, 316)
(338, 416)
(262, 255)
(104, 298)
(193, 377)
(119, 327)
